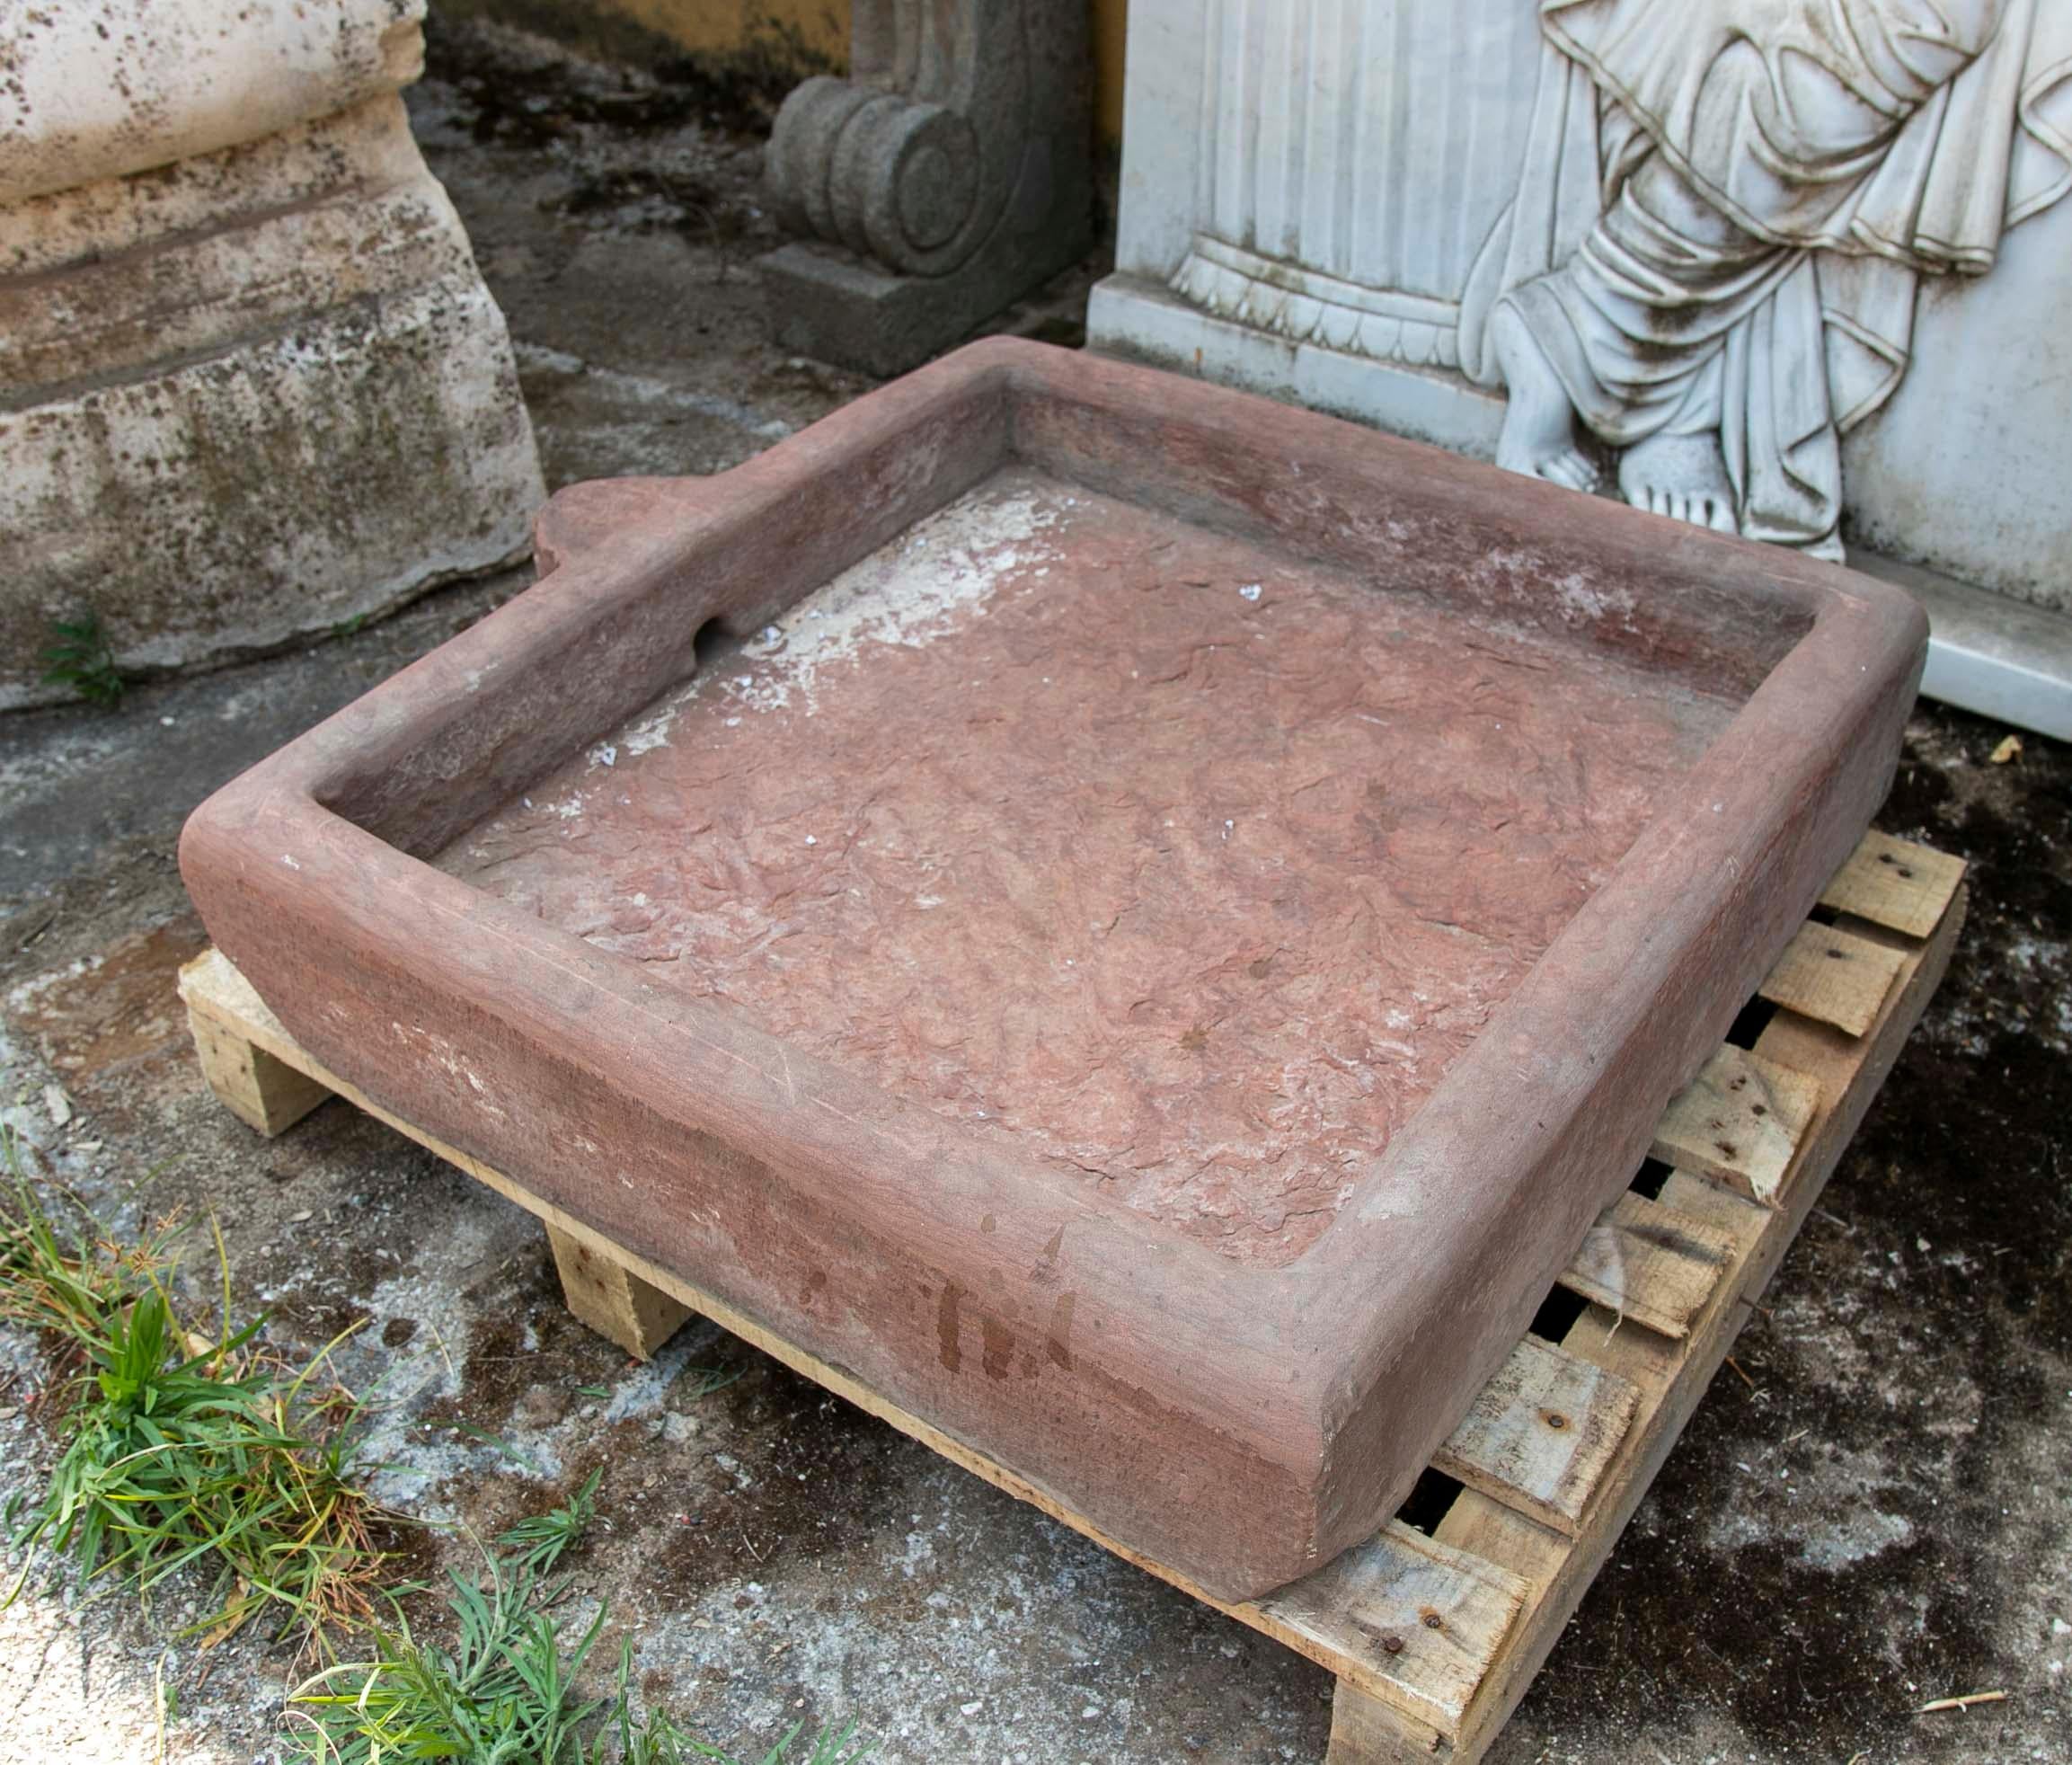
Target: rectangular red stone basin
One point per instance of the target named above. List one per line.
(1141, 923)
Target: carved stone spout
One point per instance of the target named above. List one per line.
(946, 176)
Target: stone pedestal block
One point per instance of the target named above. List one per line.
(251, 382)
(945, 177)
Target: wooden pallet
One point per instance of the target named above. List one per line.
(1433, 1637)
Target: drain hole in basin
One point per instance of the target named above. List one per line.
(1557, 1312)
(715, 642)
(1430, 1501)
(1754, 1020)
(1649, 1179)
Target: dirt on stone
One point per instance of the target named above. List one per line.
(520, 91)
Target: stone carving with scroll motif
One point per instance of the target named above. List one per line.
(1773, 178)
(946, 176)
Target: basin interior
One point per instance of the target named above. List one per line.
(1182, 862)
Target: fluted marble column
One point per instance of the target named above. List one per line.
(1352, 157)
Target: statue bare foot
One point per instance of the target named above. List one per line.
(1682, 476)
(1539, 434)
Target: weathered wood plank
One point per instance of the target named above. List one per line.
(612, 1299)
(1895, 883)
(1539, 1435)
(1365, 1731)
(1424, 1622)
(1738, 1123)
(1833, 976)
(1673, 1376)
(1649, 1264)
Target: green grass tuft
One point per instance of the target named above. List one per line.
(504, 1693)
(541, 1540)
(186, 1447)
(180, 1447)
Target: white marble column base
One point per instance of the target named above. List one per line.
(1134, 316)
(2000, 657)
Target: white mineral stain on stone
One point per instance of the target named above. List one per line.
(920, 587)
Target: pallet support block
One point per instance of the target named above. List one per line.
(262, 1092)
(613, 1300)
(1434, 1638)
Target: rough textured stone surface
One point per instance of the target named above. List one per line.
(948, 174)
(1240, 1421)
(1189, 867)
(250, 392)
(102, 88)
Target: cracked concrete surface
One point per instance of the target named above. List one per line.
(1873, 1516)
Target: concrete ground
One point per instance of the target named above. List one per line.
(1872, 1515)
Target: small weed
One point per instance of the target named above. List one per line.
(541, 1540)
(658, 1741)
(350, 627)
(504, 1692)
(182, 1448)
(78, 656)
(598, 1391)
(705, 1380)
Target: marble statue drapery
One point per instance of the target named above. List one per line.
(1724, 206)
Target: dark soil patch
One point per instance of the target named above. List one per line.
(525, 103)
(820, 1474)
(117, 1032)
(772, 1472)
(644, 198)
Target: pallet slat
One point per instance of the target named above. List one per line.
(1833, 976)
(1895, 883)
(1540, 1434)
(1423, 1622)
(1649, 1264)
(1738, 1123)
